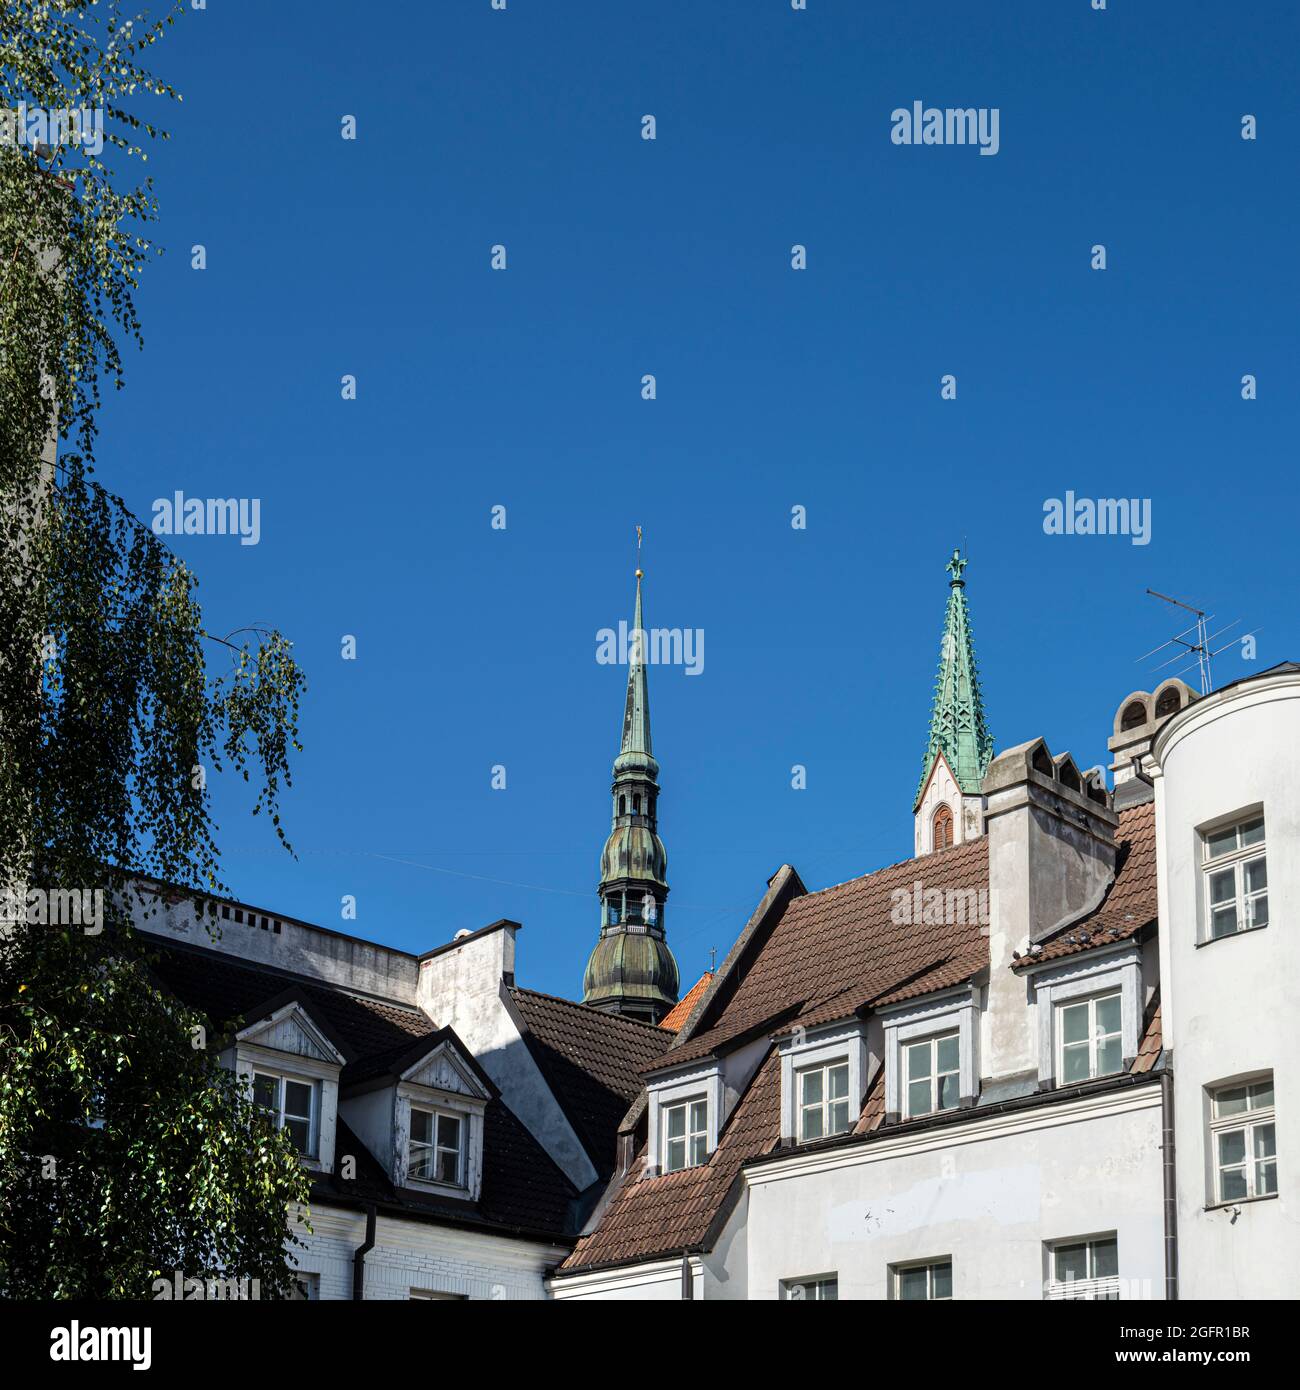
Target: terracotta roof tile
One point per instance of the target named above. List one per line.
(680, 1011)
(1152, 1039)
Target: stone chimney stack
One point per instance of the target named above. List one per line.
(1136, 721)
(1052, 852)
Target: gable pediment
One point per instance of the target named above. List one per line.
(445, 1069)
(291, 1029)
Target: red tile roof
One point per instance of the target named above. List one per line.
(680, 1011)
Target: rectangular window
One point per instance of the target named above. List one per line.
(1235, 872)
(824, 1101)
(923, 1283)
(686, 1134)
(1084, 1269)
(437, 1147)
(823, 1290)
(1243, 1141)
(1090, 1039)
(291, 1105)
(305, 1288)
(932, 1072)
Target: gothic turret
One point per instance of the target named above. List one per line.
(949, 805)
(632, 971)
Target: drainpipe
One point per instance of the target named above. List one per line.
(688, 1283)
(1170, 1183)
(359, 1254)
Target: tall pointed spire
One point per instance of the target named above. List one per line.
(958, 729)
(631, 970)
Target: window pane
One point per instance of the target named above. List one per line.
(1109, 1060)
(1074, 1062)
(918, 1060)
(1074, 1023)
(448, 1132)
(1223, 886)
(949, 1054)
(421, 1126)
(812, 1087)
(676, 1155)
(839, 1082)
(1257, 911)
(1108, 1014)
(1256, 875)
(299, 1134)
(829, 1290)
(421, 1161)
(1221, 842)
(1252, 833)
(812, 1123)
(941, 1283)
(1071, 1262)
(1105, 1259)
(1232, 1147)
(839, 1117)
(1266, 1178)
(698, 1154)
(948, 1088)
(1264, 1143)
(677, 1122)
(1261, 1094)
(1223, 921)
(912, 1285)
(1230, 1102)
(1232, 1184)
(918, 1098)
(699, 1116)
(448, 1166)
(297, 1099)
(266, 1091)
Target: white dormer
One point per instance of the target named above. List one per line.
(823, 1079)
(684, 1115)
(422, 1118)
(292, 1065)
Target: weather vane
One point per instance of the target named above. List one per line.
(638, 553)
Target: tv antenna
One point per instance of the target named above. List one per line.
(1200, 648)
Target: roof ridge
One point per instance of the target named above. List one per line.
(897, 864)
(590, 1009)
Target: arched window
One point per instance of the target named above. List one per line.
(636, 805)
(1134, 715)
(622, 805)
(942, 828)
(1168, 702)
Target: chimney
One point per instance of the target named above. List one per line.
(1139, 716)
(1051, 832)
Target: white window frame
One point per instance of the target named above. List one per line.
(821, 1288)
(694, 1108)
(433, 1147)
(1237, 860)
(952, 1011)
(700, 1081)
(824, 1105)
(1093, 1287)
(1254, 1117)
(897, 1271)
(278, 1112)
(1094, 1038)
(831, 1045)
(906, 1081)
(1100, 971)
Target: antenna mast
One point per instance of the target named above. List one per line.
(1201, 646)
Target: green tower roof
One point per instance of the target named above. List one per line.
(957, 726)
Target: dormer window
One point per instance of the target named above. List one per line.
(437, 1147)
(292, 1105)
(933, 1075)
(824, 1101)
(686, 1134)
(1089, 1009)
(1090, 1036)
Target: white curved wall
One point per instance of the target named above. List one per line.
(1232, 1007)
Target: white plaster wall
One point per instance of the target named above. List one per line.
(656, 1281)
(1230, 1007)
(987, 1195)
(417, 1255)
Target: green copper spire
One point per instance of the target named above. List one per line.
(957, 726)
(632, 971)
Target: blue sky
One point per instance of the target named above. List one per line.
(776, 388)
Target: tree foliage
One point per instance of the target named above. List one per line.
(126, 1152)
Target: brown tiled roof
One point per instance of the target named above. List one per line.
(1152, 1038)
(1131, 903)
(680, 1011)
(592, 1061)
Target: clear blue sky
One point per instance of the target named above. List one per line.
(775, 388)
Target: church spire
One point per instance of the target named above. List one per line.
(958, 730)
(632, 971)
